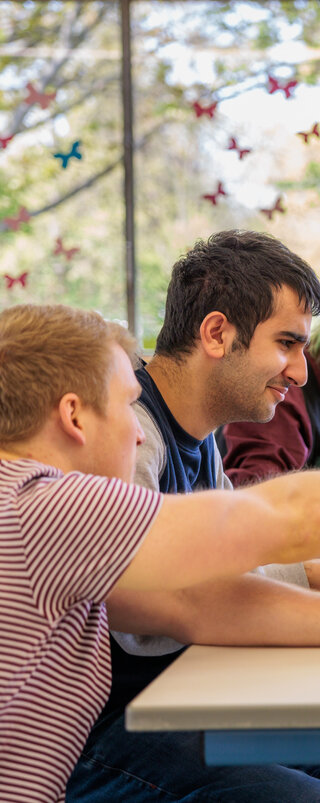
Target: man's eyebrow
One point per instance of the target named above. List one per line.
(295, 336)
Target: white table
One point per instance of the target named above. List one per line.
(254, 704)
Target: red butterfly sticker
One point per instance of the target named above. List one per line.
(14, 223)
(214, 196)
(209, 110)
(4, 141)
(11, 280)
(276, 208)
(233, 146)
(67, 252)
(274, 86)
(306, 134)
(39, 97)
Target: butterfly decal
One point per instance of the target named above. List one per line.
(4, 141)
(14, 223)
(67, 252)
(233, 146)
(44, 98)
(274, 86)
(209, 110)
(11, 280)
(275, 208)
(306, 134)
(73, 153)
(214, 196)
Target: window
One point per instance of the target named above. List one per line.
(226, 129)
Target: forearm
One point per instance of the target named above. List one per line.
(254, 611)
(249, 610)
(148, 613)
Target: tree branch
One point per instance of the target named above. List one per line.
(78, 188)
(95, 89)
(70, 41)
(92, 180)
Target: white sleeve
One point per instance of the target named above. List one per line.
(152, 454)
(151, 462)
(287, 573)
(222, 481)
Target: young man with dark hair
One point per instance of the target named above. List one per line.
(290, 441)
(237, 320)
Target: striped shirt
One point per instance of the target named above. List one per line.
(64, 541)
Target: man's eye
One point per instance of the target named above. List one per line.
(287, 343)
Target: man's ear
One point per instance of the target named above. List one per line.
(216, 334)
(70, 414)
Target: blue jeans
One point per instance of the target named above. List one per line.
(121, 767)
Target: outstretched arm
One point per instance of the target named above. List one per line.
(212, 534)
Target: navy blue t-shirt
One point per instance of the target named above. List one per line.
(189, 462)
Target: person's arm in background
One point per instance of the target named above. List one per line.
(257, 451)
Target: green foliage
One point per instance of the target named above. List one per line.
(313, 174)
(153, 287)
(266, 36)
(311, 179)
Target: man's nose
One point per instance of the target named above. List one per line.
(297, 371)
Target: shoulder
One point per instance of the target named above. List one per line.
(222, 481)
(151, 455)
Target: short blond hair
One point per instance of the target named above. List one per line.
(47, 351)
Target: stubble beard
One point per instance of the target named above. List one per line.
(230, 397)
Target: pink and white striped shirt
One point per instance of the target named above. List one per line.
(64, 542)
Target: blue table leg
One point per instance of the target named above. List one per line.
(283, 746)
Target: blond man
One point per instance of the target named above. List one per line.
(74, 527)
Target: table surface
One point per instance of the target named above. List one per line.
(223, 688)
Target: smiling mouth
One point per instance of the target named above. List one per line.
(278, 392)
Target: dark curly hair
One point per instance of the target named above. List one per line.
(235, 272)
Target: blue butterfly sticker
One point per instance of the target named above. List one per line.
(66, 156)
